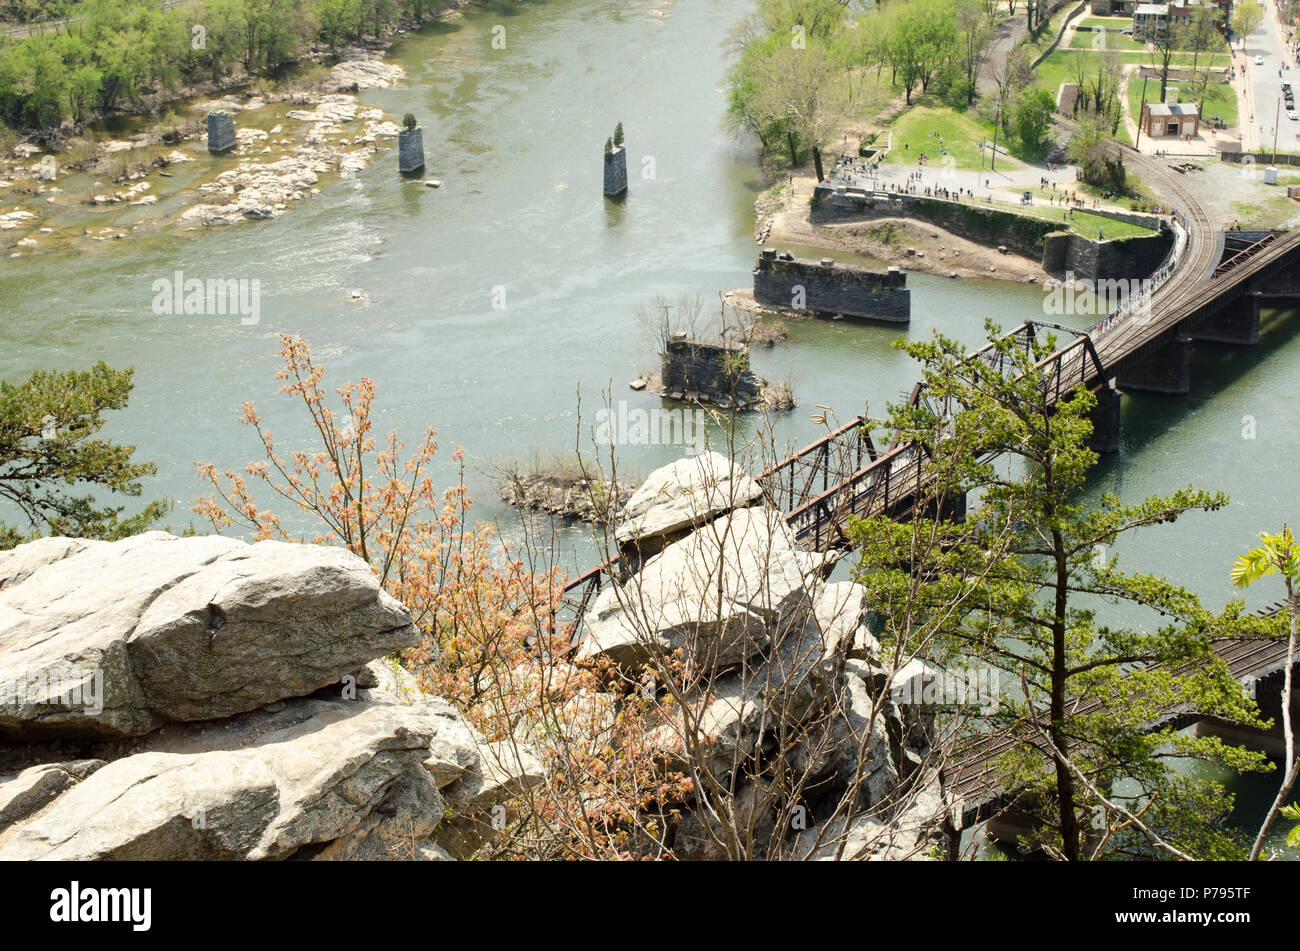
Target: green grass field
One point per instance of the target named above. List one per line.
(1085, 223)
(1112, 41)
(920, 128)
(1111, 22)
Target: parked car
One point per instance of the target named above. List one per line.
(1293, 115)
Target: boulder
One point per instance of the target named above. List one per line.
(113, 639)
(916, 833)
(841, 610)
(732, 713)
(685, 495)
(725, 592)
(28, 792)
(354, 780)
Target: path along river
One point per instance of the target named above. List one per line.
(494, 300)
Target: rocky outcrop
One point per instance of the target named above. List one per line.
(724, 592)
(682, 496)
(243, 710)
(782, 685)
(116, 639)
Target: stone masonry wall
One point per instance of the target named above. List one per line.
(616, 171)
(1117, 259)
(221, 132)
(708, 371)
(831, 288)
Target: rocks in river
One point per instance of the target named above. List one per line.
(256, 190)
(364, 69)
(565, 494)
(244, 714)
(15, 219)
(221, 132)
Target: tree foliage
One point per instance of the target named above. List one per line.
(111, 51)
(50, 453)
(1027, 584)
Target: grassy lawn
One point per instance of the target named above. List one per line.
(1108, 22)
(1268, 213)
(920, 128)
(1087, 224)
(1113, 41)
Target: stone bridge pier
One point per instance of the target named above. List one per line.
(1166, 370)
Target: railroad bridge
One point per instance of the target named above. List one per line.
(1210, 288)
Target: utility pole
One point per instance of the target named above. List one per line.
(1138, 138)
(993, 159)
(1276, 119)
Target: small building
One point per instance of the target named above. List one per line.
(1171, 118)
(1112, 8)
(1150, 20)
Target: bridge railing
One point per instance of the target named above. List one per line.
(883, 485)
(1140, 304)
(819, 466)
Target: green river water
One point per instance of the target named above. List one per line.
(515, 136)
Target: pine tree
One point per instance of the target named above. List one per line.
(1019, 586)
(47, 429)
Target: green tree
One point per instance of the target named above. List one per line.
(1246, 19)
(1032, 116)
(1019, 584)
(1277, 555)
(49, 450)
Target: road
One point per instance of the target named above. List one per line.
(1271, 122)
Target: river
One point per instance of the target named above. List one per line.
(494, 300)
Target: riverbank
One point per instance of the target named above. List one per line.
(293, 138)
(782, 217)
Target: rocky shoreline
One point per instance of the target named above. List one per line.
(276, 167)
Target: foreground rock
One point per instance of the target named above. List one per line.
(724, 592)
(354, 781)
(245, 711)
(116, 639)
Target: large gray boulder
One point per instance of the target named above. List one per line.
(352, 780)
(725, 592)
(684, 495)
(113, 639)
(841, 610)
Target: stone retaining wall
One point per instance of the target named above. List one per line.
(829, 288)
(1037, 238)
